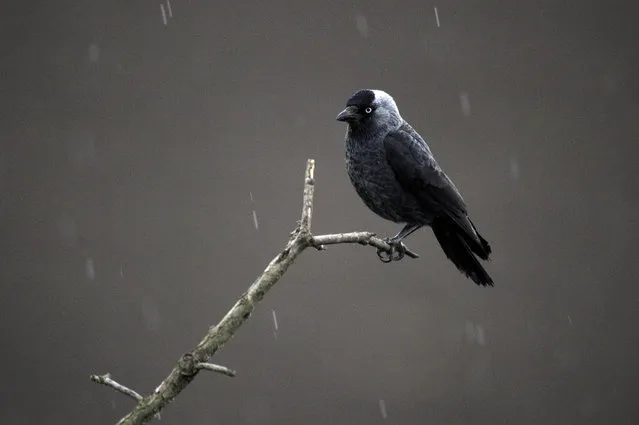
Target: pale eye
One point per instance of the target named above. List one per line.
(368, 110)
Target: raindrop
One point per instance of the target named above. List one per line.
(251, 196)
(569, 320)
(436, 17)
(465, 103)
(89, 268)
(362, 25)
(169, 8)
(514, 168)
(255, 220)
(94, 53)
(480, 335)
(163, 13)
(382, 408)
(475, 333)
(275, 321)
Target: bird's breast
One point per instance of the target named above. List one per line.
(375, 182)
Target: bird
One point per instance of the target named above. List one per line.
(396, 175)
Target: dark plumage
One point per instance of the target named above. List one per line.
(397, 177)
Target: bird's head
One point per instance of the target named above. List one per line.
(371, 109)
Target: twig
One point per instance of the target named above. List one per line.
(309, 191)
(216, 368)
(364, 238)
(106, 380)
(191, 363)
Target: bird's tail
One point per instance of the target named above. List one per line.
(460, 248)
(478, 244)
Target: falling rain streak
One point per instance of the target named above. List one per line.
(163, 14)
(362, 25)
(94, 53)
(475, 333)
(275, 325)
(382, 408)
(89, 268)
(255, 223)
(465, 104)
(436, 17)
(169, 8)
(514, 168)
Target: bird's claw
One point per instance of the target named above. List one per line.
(397, 251)
(384, 256)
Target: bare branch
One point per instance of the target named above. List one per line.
(189, 365)
(216, 368)
(218, 335)
(307, 204)
(106, 380)
(364, 238)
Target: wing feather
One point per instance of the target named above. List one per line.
(419, 174)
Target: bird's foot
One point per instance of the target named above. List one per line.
(397, 251)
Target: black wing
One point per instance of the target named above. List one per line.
(419, 174)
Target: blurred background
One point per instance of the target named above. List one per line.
(151, 163)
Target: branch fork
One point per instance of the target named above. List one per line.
(190, 364)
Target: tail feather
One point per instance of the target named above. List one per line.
(461, 250)
(479, 246)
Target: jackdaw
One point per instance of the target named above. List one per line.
(398, 178)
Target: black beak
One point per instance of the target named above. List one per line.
(348, 114)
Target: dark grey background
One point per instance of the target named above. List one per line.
(130, 151)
